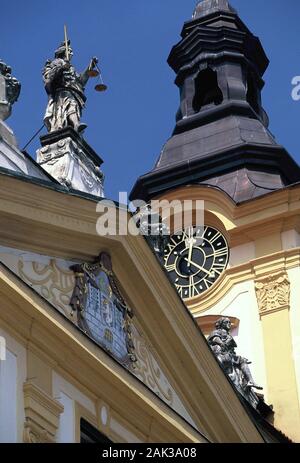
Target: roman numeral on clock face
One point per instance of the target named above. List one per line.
(170, 268)
(214, 239)
(179, 289)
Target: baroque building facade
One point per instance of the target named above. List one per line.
(221, 152)
(97, 344)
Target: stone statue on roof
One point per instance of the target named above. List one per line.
(65, 89)
(235, 366)
(10, 89)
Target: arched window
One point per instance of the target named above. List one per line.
(207, 90)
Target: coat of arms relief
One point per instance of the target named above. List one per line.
(102, 312)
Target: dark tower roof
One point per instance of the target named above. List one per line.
(221, 136)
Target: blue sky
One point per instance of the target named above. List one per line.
(128, 124)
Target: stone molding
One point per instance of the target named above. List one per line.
(42, 414)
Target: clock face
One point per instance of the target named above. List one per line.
(195, 258)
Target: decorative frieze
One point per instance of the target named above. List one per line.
(42, 414)
(273, 292)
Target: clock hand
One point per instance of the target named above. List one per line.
(190, 253)
(199, 267)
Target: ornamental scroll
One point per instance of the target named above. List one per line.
(102, 312)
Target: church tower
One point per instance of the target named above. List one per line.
(221, 136)
(245, 263)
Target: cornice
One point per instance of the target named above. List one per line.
(261, 267)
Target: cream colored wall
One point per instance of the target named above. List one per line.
(240, 302)
(294, 276)
(241, 254)
(290, 239)
(19, 353)
(78, 405)
(68, 395)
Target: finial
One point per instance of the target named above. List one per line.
(206, 7)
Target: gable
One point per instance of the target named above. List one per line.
(54, 281)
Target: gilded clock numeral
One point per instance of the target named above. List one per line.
(170, 248)
(204, 282)
(217, 236)
(217, 271)
(192, 286)
(192, 280)
(184, 236)
(170, 267)
(219, 268)
(179, 289)
(207, 283)
(218, 253)
(193, 290)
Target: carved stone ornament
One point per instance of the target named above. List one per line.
(273, 293)
(42, 414)
(71, 165)
(102, 312)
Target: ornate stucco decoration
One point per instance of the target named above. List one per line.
(148, 370)
(41, 415)
(273, 293)
(51, 280)
(102, 312)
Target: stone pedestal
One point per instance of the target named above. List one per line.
(6, 133)
(67, 157)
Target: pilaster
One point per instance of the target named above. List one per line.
(273, 297)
